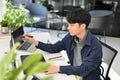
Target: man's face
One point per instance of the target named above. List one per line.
(75, 29)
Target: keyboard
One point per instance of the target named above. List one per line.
(25, 46)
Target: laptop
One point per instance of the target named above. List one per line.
(17, 37)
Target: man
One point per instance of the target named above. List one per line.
(83, 49)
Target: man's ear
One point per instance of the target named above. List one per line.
(83, 26)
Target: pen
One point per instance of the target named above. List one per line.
(28, 36)
(54, 57)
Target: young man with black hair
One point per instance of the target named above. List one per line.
(82, 47)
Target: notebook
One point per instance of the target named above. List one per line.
(17, 37)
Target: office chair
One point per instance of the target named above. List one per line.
(109, 55)
(38, 12)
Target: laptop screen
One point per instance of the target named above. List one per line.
(17, 35)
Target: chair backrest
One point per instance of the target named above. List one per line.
(109, 55)
(36, 9)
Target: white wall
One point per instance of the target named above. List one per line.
(2, 9)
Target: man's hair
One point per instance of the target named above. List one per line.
(79, 15)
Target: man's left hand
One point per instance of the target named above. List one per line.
(53, 69)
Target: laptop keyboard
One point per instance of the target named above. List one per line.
(25, 46)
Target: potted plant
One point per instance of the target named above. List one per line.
(31, 64)
(4, 26)
(16, 17)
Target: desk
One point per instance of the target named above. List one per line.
(4, 44)
(46, 55)
(44, 37)
(57, 61)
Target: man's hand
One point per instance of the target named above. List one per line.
(53, 69)
(29, 38)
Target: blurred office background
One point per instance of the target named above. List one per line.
(105, 18)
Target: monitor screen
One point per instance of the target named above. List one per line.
(17, 34)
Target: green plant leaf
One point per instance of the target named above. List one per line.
(31, 64)
(7, 60)
(37, 67)
(48, 78)
(31, 59)
(4, 23)
(13, 74)
(16, 17)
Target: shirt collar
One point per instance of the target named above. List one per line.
(82, 41)
(88, 39)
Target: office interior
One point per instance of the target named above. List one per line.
(105, 22)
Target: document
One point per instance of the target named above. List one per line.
(57, 76)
